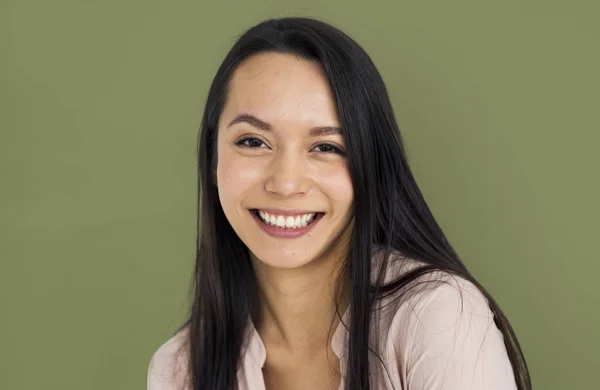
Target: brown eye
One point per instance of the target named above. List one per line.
(250, 142)
(329, 148)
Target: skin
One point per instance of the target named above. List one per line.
(286, 167)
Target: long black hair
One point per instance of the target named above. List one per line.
(390, 212)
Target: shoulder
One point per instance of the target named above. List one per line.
(430, 290)
(167, 369)
(434, 303)
(449, 296)
(445, 336)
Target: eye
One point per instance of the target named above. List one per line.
(329, 148)
(255, 143)
(250, 142)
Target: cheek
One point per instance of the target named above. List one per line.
(235, 175)
(338, 185)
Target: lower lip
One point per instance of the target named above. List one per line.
(278, 232)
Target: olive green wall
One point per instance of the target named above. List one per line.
(99, 108)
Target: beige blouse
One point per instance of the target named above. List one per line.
(441, 335)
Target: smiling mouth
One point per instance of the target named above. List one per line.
(287, 222)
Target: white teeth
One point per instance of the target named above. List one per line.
(297, 221)
(289, 222)
(280, 221)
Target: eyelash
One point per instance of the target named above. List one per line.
(242, 141)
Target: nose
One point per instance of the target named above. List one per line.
(288, 176)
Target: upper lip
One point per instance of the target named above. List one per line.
(274, 211)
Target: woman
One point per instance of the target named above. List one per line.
(319, 263)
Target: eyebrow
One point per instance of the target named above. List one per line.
(260, 124)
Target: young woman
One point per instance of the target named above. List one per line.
(319, 264)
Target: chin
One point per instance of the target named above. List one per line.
(284, 257)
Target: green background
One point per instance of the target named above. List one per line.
(100, 103)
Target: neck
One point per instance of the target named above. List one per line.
(298, 306)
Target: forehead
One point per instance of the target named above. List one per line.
(279, 87)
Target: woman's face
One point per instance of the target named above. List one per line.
(280, 152)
